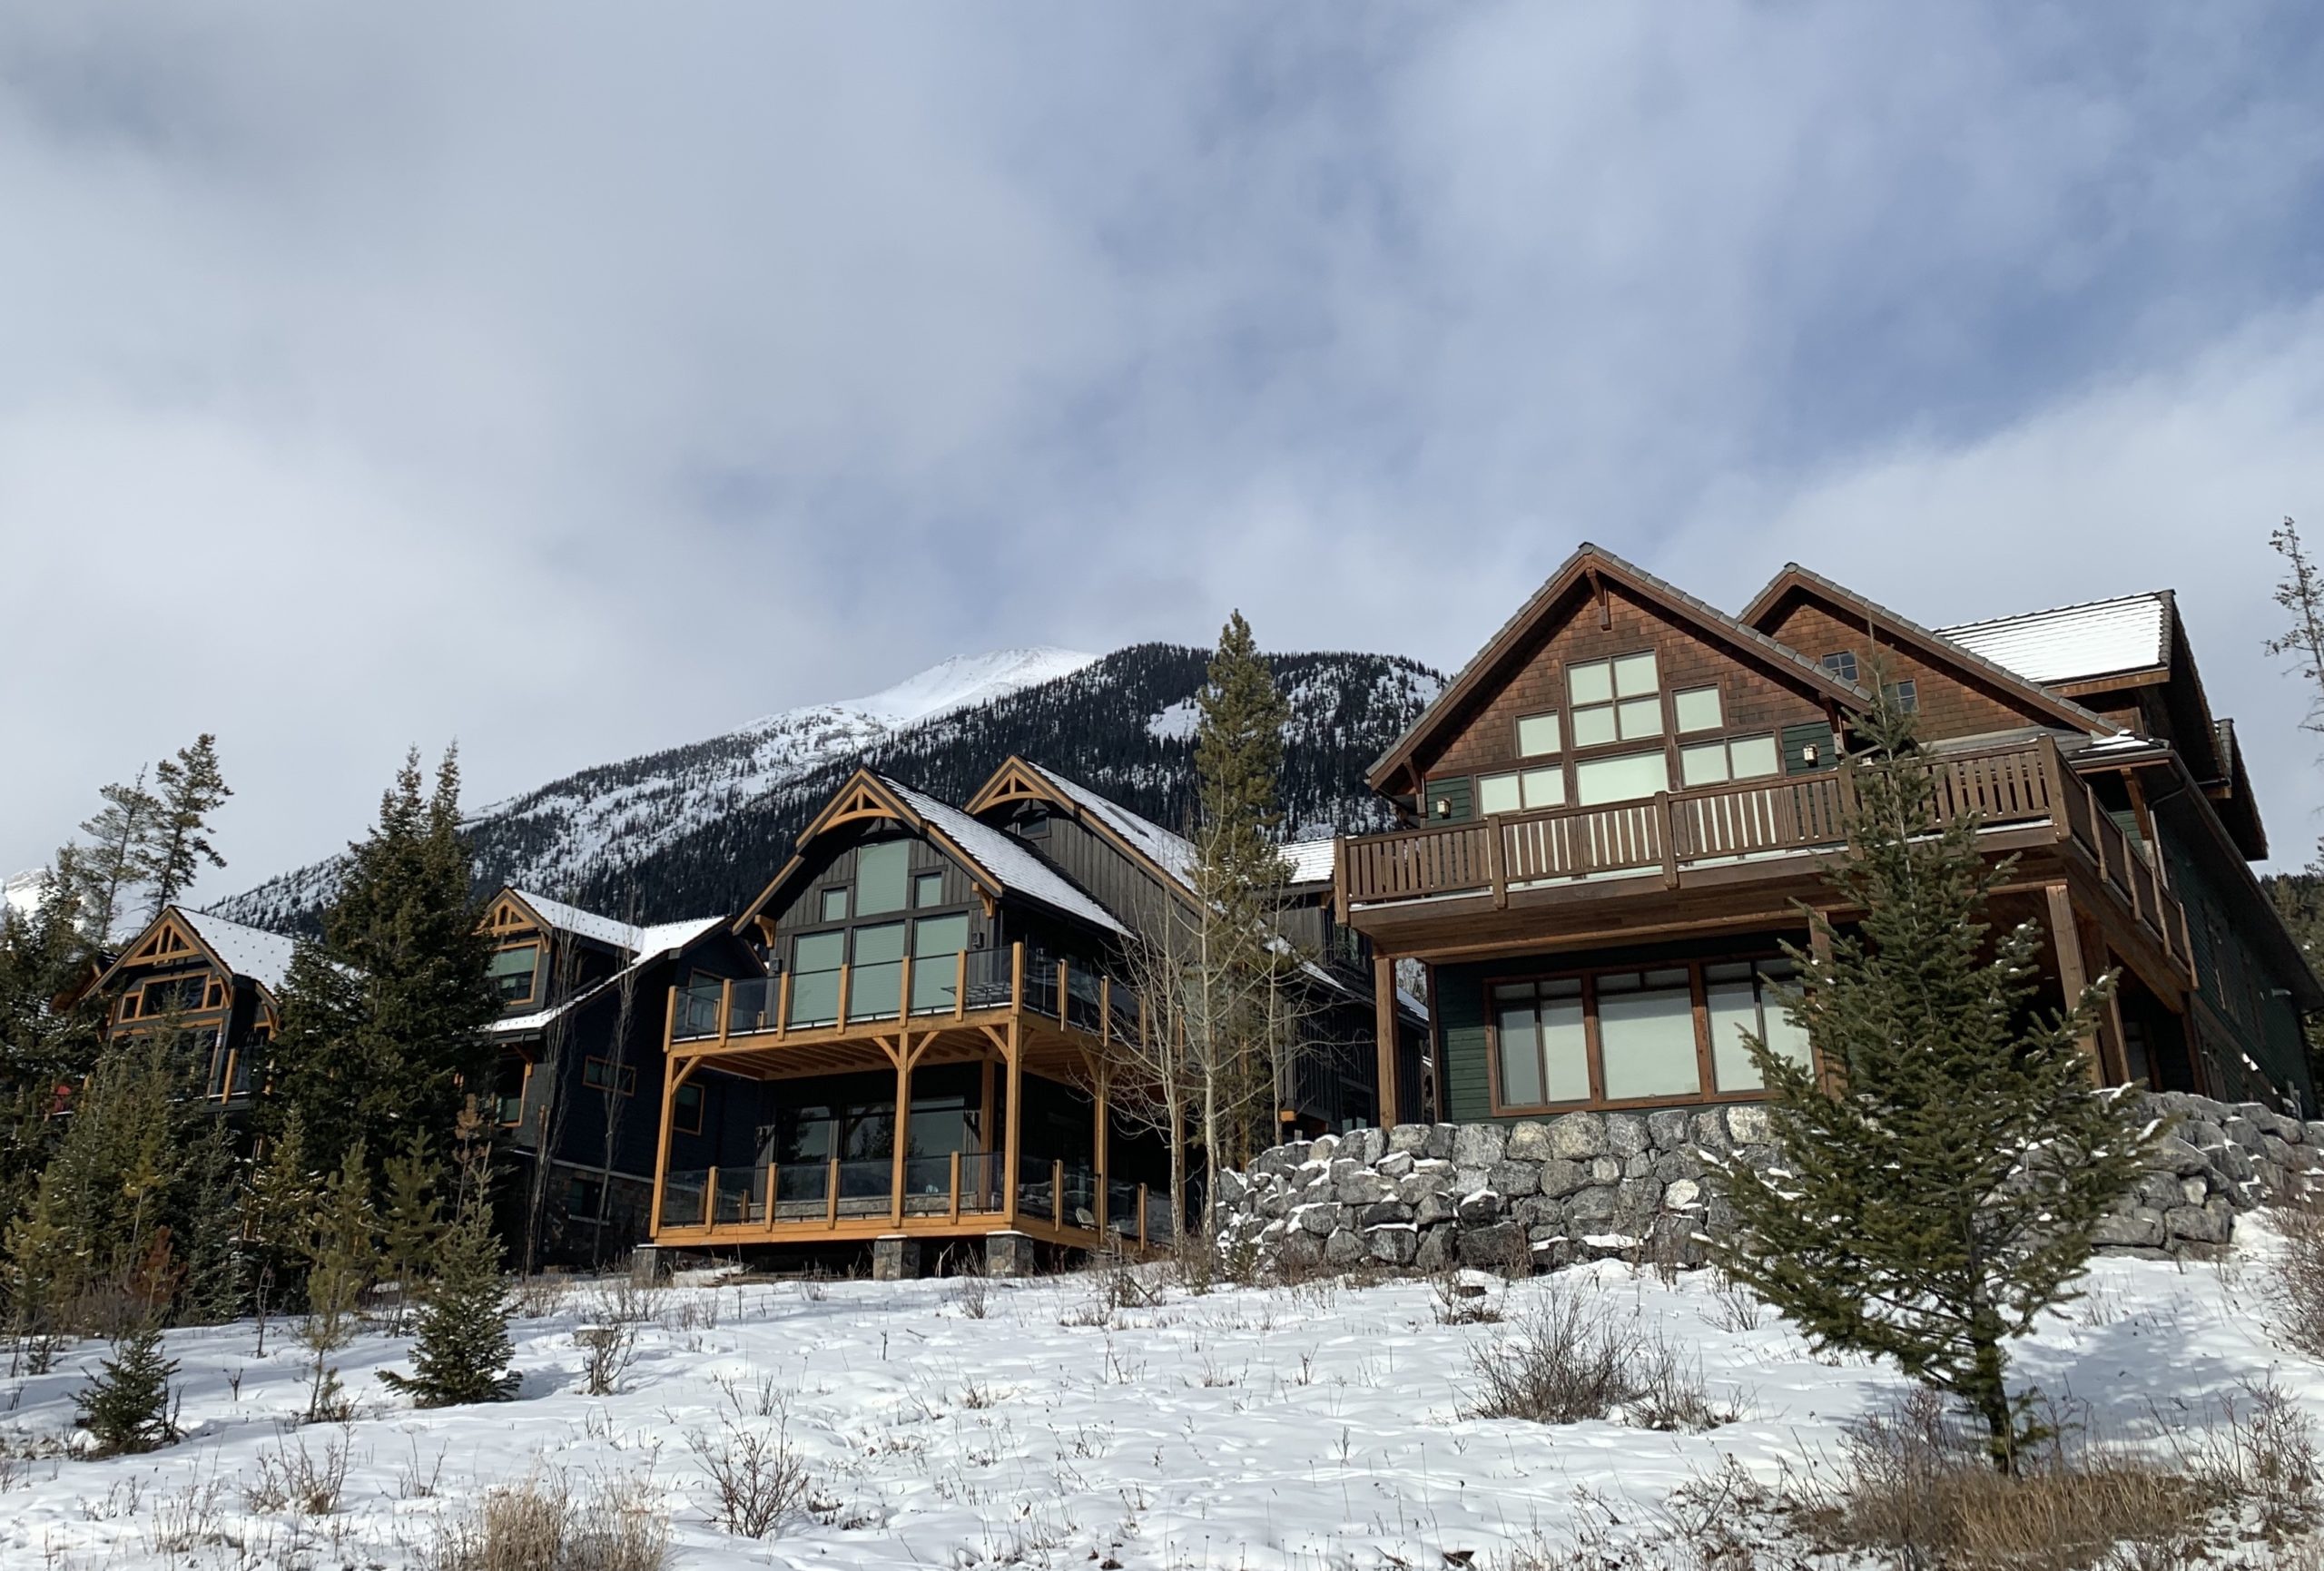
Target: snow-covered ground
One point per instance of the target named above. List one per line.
(1315, 1427)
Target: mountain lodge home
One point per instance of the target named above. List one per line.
(1614, 814)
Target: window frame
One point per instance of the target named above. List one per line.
(1845, 657)
(532, 981)
(1707, 1078)
(677, 1099)
(628, 1076)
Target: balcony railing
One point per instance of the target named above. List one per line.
(958, 984)
(1672, 833)
(795, 1199)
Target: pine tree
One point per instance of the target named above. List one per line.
(127, 1407)
(190, 789)
(46, 1275)
(342, 1262)
(44, 1051)
(118, 860)
(413, 1224)
(322, 1079)
(207, 1216)
(463, 1351)
(1940, 1178)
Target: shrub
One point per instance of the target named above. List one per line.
(292, 1478)
(758, 1477)
(127, 1407)
(538, 1525)
(2299, 1277)
(1569, 1360)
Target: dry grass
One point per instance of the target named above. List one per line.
(1463, 1298)
(758, 1479)
(294, 1480)
(2297, 1301)
(1572, 1360)
(540, 1526)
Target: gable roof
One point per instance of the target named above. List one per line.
(994, 860)
(235, 949)
(655, 943)
(1929, 643)
(2068, 643)
(1588, 562)
(644, 942)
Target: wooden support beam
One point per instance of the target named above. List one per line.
(903, 1141)
(1013, 1115)
(2065, 935)
(1383, 1016)
(675, 1077)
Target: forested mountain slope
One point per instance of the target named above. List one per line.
(699, 829)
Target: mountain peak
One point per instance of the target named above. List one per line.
(962, 681)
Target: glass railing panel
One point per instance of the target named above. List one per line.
(863, 1186)
(873, 991)
(989, 972)
(980, 1185)
(752, 1005)
(1158, 1214)
(697, 1013)
(681, 1198)
(814, 998)
(741, 1195)
(802, 1184)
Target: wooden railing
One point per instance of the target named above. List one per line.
(2025, 783)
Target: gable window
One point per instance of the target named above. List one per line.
(1625, 777)
(927, 889)
(1617, 700)
(831, 906)
(1518, 791)
(512, 972)
(1841, 663)
(1741, 998)
(883, 874)
(1032, 824)
(1735, 758)
(1903, 694)
(1544, 1046)
(1697, 708)
(1539, 736)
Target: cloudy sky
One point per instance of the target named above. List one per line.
(567, 381)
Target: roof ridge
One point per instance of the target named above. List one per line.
(2164, 596)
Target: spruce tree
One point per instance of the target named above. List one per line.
(190, 788)
(390, 1045)
(322, 1081)
(1943, 1167)
(127, 1407)
(44, 1051)
(206, 1216)
(279, 1220)
(412, 1223)
(342, 1262)
(463, 1351)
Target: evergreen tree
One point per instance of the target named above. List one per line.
(190, 789)
(279, 1220)
(118, 859)
(47, 1275)
(127, 1408)
(44, 1051)
(413, 1222)
(207, 1216)
(1940, 1179)
(463, 1351)
(388, 1044)
(342, 1262)
(322, 1080)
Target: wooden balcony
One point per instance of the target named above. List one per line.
(2022, 794)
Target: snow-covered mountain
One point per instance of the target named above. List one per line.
(698, 829)
(22, 892)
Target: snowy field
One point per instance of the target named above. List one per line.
(1316, 1427)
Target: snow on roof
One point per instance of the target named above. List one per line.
(2075, 643)
(253, 952)
(1311, 861)
(1015, 867)
(653, 943)
(1174, 854)
(586, 924)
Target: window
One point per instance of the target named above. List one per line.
(598, 1074)
(1622, 778)
(174, 995)
(936, 943)
(815, 960)
(582, 1196)
(1646, 1035)
(685, 1108)
(1544, 1051)
(1032, 824)
(1737, 758)
(1697, 708)
(832, 907)
(927, 889)
(1537, 735)
(875, 980)
(1841, 663)
(881, 875)
(1741, 998)
(1520, 790)
(1617, 700)
(512, 972)
(1903, 694)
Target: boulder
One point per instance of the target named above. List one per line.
(1605, 1170)
(1417, 1188)
(1433, 1207)
(1708, 1130)
(1369, 1145)
(1747, 1124)
(1481, 1209)
(1500, 1247)
(2200, 1224)
(1440, 1141)
(1626, 1136)
(1344, 1247)
(1395, 1164)
(1360, 1187)
(1411, 1139)
(1527, 1142)
(1300, 1251)
(1316, 1219)
(1395, 1244)
(1380, 1213)
(2173, 1154)
(1434, 1250)
(1682, 1194)
(1323, 1148)
(1478, 1145)
(1561, 1178)
(1666, 1129)
(2137, 1227)
(1591, 1207)
(1515, 1178)
(1577, 1136)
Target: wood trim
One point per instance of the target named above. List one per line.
(1385, 1018)
(2065, 935)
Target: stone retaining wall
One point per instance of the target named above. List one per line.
(1591, 1185)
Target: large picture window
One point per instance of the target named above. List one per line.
(1636, 1037)
(1520, 790)
(1624, 777)
(883, 878)
(1734, 758)
(512, 972)
(815, 960)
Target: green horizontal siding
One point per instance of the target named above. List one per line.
(1459, 1004)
